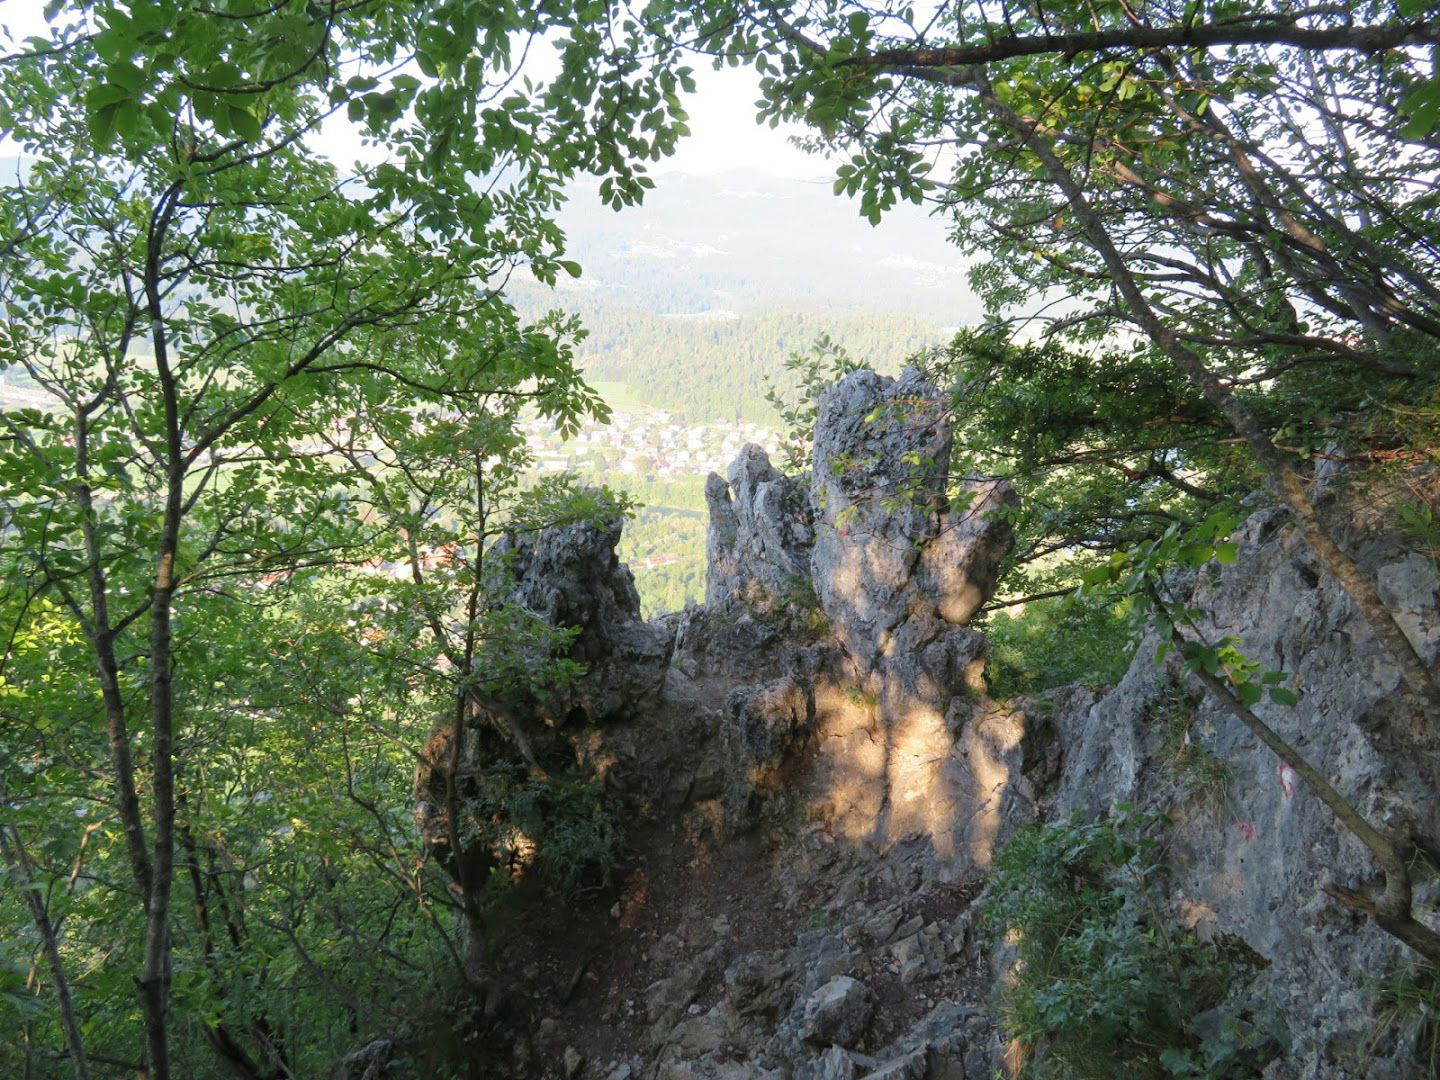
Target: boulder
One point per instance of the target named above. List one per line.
(834, 1064)
(759, 984)
(837, 1013)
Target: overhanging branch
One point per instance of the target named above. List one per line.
(1130, 38)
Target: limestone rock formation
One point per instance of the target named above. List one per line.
(1252, 847)
(900, 567)
(760, 535)
(895, 559)
(821, 780)
(571, 577)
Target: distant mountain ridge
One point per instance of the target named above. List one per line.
(744, 241)
(697, 298)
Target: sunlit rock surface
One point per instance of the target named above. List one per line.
(760, 536)
(896, 560)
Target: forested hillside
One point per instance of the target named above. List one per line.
(720, 365)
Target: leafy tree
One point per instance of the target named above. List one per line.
(215, 313)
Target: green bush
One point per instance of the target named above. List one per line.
(558, 832)
(1056, 642)
(1103, 985)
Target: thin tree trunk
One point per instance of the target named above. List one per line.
(154, 981)
(469, 890)
(1394, 912)
(102, 642)
(14, 853)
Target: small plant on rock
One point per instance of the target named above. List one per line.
(1411, 999)
(1196, 769)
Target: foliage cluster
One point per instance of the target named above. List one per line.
(796, 395)
(559, 830)
(1197, 771)
(245, 544)
(1103, 985)
(795, 606)
(1057, 642)
(664, 533)
(1411, 998)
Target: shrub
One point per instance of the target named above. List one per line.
(1411, 998)
(1103, 985)
(1057, 642)
(558, 831)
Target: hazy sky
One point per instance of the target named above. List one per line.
(724, 134)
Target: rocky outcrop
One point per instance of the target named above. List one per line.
(825, 781)
(760, 536)
(881, 548)
(901, 562)
(912, 778)
(896, 558)
(566, 578)
(571, 577)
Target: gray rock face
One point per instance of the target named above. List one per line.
(760, 535)
(890, 548)
(764, 725)
(1248, 855)
(899, 568)
(571, 577)
(837, 1013)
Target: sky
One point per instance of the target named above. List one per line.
(725, 136)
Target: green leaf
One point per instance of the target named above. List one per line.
(243, 123)
(1282, 695)
(126, 75)
(1423, 106)
(102, 123)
